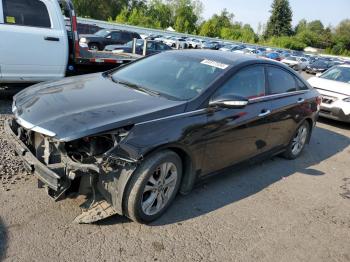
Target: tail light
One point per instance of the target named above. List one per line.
(319, 101)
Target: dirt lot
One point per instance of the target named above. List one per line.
(276, 211)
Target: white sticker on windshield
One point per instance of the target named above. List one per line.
(214, 64)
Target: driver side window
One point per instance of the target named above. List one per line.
(249, 83)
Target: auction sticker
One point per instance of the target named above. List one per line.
(214, 64)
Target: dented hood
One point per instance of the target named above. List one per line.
(86, 105)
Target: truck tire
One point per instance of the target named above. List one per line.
(153, 187)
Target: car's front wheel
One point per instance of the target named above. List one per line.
(94, 47)
(153, 187)
(298, 142)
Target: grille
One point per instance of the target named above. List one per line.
(328, 100)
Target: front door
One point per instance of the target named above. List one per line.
(234, 135)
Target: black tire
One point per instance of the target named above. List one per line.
(135, 189)
(94, 46)
(288, 154)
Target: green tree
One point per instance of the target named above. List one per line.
(101, 10)
(216, 23)
(280, 22)
(186, 15)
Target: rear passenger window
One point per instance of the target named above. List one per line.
(280, 81)
(26, 12)
(249, 83)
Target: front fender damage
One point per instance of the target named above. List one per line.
(85, 167)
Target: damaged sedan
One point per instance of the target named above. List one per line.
(132, 138)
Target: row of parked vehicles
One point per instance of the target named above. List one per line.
(122, 41)
(133, 137)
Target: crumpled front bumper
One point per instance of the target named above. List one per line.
(53, 180)
(111, 186)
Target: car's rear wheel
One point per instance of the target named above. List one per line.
(153, 187)
(298, 142)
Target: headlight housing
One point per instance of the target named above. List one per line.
(83, 40)
(346, 99)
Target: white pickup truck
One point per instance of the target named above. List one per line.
(39, 42)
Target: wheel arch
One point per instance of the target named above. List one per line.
(188, 164)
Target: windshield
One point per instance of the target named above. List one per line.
(174, 75)
(102, 33)
(341, 74)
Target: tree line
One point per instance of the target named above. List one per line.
(185, 16)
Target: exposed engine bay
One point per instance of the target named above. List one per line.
(84, 167)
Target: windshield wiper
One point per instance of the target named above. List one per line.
(137, 87)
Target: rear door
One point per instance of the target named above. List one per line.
(289, 105)
(36, 46)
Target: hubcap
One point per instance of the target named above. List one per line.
(299, 140)
(159, 188)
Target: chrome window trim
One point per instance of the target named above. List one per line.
(267, 97)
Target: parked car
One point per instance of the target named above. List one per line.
(295, 62)
(231, 48)
(194, 43)
(334, 86)
(138, 135)
(105, 37)
(319, 66)
(153, 47)
(273, 55)
(173, 41)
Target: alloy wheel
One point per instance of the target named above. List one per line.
(159, 188)
(299, 140)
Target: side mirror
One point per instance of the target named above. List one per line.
(318, 74)
(229, 101)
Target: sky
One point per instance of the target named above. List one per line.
(254, 11)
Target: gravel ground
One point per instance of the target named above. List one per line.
(12, 171)
(278, 210)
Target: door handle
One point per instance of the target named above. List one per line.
(264, 113)
(50, 38)
(301, 100)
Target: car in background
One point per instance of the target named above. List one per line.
(208, 45)
(153, 47)
(273, 55)
(174, 41)
(319, 66)
(334, 87)
(137, 136)
(295, 62)
(104, 37)
(230, 48)
(194, 43)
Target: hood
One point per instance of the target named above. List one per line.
(330, 85)
(86, 105)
